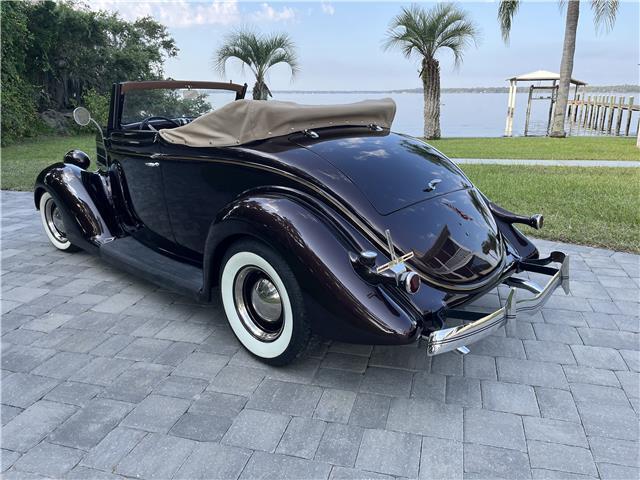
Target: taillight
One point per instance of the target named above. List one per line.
(410, 281)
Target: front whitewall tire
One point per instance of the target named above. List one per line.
(262, 349)
(60, 244)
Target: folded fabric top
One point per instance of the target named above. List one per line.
(244, 121)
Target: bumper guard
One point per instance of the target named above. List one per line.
(483, 324)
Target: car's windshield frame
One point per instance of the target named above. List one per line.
(120, 90)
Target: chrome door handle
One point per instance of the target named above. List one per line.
(152, 164)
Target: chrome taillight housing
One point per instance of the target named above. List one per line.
(393, 272)
(410, 281)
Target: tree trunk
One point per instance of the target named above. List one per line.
(431, 86)
(260, 91)
(566, 68)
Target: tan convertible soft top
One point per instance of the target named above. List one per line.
(244, 121)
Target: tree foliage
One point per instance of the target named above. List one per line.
(423, 33)
(19, 114)
(140, 104)
(53, 53)
(98, 105)
(417, 31)
(604, 14)
(259, 53)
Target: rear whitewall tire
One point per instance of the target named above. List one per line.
(57, 239)
(294, 333)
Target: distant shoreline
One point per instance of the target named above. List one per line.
(588, 89)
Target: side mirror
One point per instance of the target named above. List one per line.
(82, 116)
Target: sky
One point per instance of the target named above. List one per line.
(339, 43)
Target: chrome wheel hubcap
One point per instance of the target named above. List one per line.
(55, 224)
(265, 300)
(258, 303)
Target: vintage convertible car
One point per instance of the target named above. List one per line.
(304, 218)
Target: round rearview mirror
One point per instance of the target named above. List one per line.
(82, 116)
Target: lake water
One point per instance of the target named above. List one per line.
(462, 114)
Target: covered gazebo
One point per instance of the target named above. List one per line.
(537, 76)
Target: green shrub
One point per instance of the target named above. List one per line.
(19, 116)
(98, 105)
(55, 52)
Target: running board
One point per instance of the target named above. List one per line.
(133, 257)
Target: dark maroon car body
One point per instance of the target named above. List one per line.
(318, 200)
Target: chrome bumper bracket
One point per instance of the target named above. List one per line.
(453, 338)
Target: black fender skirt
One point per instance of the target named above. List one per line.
(341, 304)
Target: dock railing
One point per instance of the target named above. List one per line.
(604, 115)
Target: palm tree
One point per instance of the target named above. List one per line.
(604, 14)
(260, 53)
(420, 32)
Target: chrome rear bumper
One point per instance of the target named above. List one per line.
(449, 339)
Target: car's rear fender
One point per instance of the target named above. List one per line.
(523, 247)
(77, 193)
(341, 304)
(505, 220)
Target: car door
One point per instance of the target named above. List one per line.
(197, 189)
(199, 183)
(137, 161)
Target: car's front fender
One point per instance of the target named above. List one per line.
(342, 305)
(71, 187)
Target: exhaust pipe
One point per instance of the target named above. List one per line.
(536, 221)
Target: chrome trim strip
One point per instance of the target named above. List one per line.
(449, 339)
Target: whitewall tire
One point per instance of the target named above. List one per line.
(263, 303)
(53, 224)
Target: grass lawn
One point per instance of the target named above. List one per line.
(540, 148)
(590, 206)
(22, 162)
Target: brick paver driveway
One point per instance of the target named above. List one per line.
(105, 375)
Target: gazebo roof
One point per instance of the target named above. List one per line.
(542, 75)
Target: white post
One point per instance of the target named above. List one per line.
(511, 105)
(506, 125)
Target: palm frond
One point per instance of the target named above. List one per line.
(282, 50)
(604, 13)
(258, 52)
(506, 11)
(457, 32)
(406, 30)
(235, 46)
(423, 32)
(286, 57)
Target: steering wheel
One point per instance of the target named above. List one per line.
(146, 123)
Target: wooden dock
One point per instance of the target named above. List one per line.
(603, 115)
